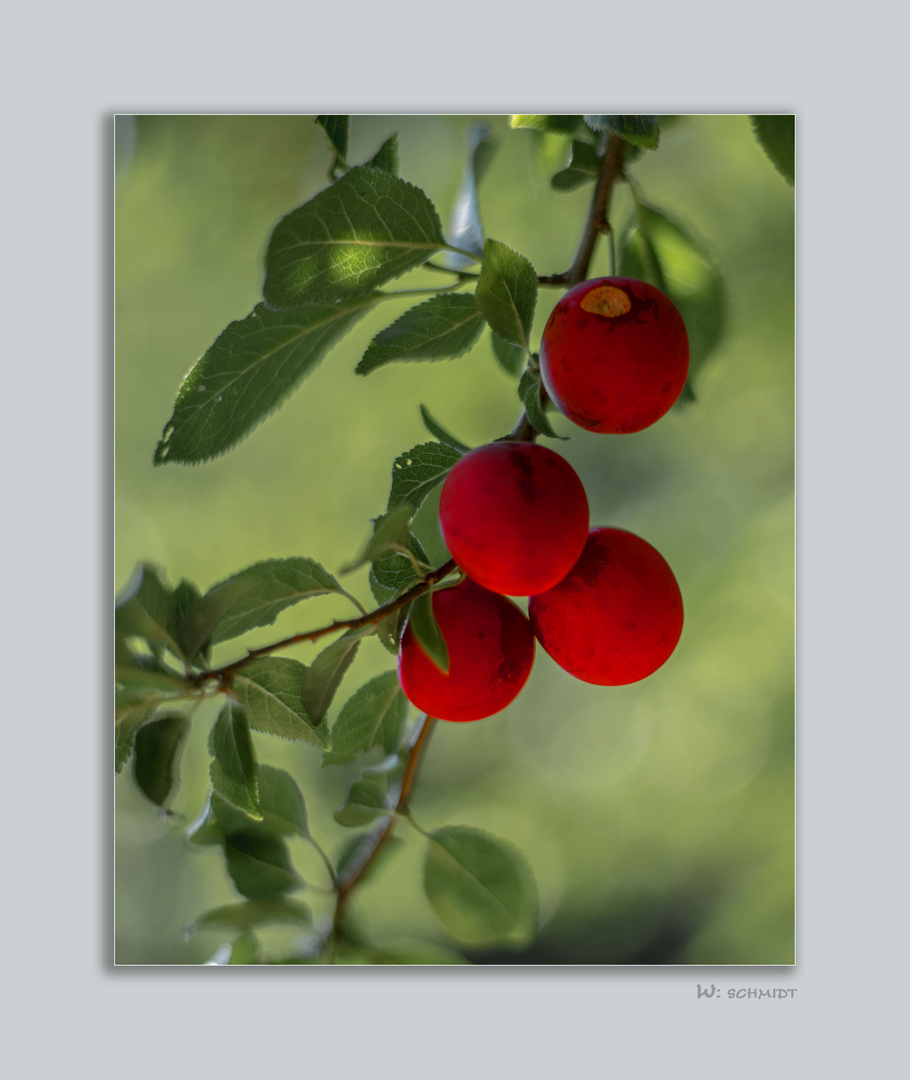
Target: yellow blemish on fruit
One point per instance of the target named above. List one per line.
(606, 300)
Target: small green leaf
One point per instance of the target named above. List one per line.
(324, 675)
(390, 533)
(257, 595)
(422, 621)
(233, 769)
(128, 721)
(281, 802)
(269, 690)
(144, 609)
(558, 125)
(260, 866)
(184, 597)
(481, 887)
(390, 629)
(777, 137)
(661, 252)
(365, 803)
(253, 366)
(389, 577)
(336, 132)
(511, 358)
(246, 949)
(417, 472)
(507, 292)
(643, 131)
(582, 168)
(442, 327)
(205, 830)
(465, 228)
(386, 157)
(365, 230)
(435, 428)
(529, 390)
(156, 757)
(252, 913)
(374, 716)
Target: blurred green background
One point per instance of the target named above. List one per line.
(658, 817)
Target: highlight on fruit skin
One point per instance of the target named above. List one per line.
(515, 517)
(614, 355)
(491, 652)
(618, 614)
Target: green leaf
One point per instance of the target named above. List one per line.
(507, 292)
(233, 768)
(156, 758)
(390, 532)
(583, 167)
(260, 866)
(251, 913)
(558, 125)
(435, 428)
(661, 252)
(442, 327)
(324, 675)
(417, 472)
(529, 390)
(144, 609)
(389, 577)
(184, 597)
(336, 132)
(777, 137)
(269, 690)
(422, 621)
(352, 851)
(246, 949)
(365, 230)
(511, 358)
(205, 830)
(128, 721)
(257, 595)
(481, 887)
(386, 157)
(145, 681)
(643, 131)
(365, 803)
(466, 230)
(374, 716)
(281, 801)
(390, 629)
(425, 529)
(252, 367)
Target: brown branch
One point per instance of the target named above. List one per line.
(420, 736)
(226, 673)
(598, 215)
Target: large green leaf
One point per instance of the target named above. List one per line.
(481, 887)
(365, 230)
(156, 756)
(374, 716)
(252, 367)
(233, 768)
(416, 472)
(511, 358)
(269, 690)
(659, 250)
(507, 293)
(260, 866)
(442, 327)
(257, 595)
(777, 137)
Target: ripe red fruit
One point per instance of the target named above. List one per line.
(514, 515)
(614, 355)
(491, 650)
(616, 617)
